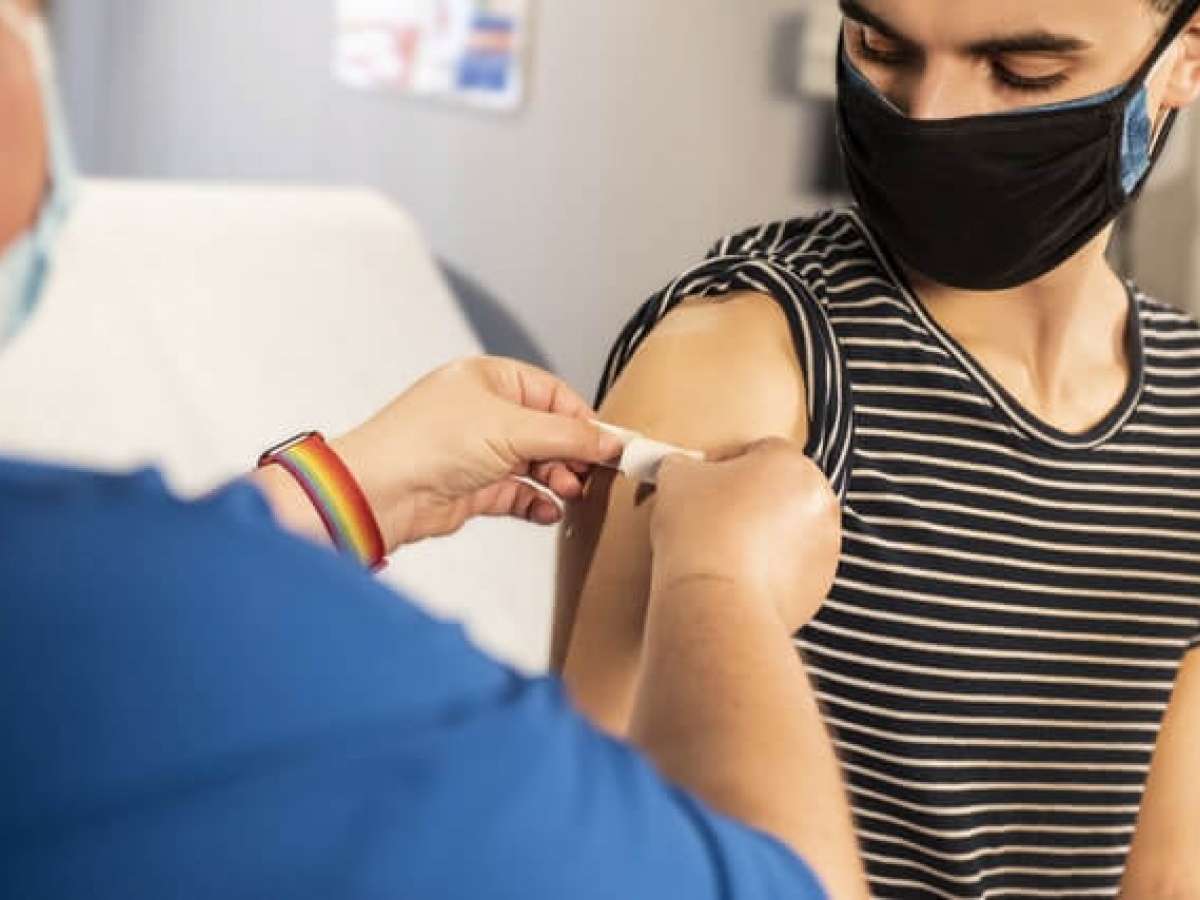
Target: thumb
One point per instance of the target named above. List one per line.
(537, 437)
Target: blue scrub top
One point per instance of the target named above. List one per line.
(196, 704)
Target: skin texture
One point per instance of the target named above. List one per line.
(756, 391)
(667, 651)
(725, 372)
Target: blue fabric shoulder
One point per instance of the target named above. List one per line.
(162, 634)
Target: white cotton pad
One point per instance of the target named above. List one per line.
(643, 457)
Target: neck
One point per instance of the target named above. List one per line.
(1058, 344)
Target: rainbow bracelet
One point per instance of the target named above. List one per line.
(335, 494)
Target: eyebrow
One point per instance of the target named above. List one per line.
(1038, 41)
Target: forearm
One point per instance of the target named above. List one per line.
(725, 709)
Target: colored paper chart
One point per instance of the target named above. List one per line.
(465, 51)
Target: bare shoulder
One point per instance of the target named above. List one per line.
(715, 375)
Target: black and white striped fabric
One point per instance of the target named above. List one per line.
(1013, 602)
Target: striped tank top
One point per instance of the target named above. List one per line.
(1013, 602)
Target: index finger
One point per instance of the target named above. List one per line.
(543, 392)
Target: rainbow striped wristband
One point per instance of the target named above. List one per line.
(335, 494)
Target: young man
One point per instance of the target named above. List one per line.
(1008, 656)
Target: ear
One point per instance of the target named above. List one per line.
(1183, 81)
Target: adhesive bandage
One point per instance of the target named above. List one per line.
(643, 457)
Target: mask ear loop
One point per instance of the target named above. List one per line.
(1164, 122)
(1162, 126)
(1166, 119)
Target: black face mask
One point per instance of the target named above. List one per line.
(995, 201)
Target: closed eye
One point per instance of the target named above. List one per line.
(878, 49)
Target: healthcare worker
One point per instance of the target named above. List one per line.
(198, 702)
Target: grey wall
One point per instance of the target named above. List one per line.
(652, 129)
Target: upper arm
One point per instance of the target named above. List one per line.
(713, 376)
(1165, 859)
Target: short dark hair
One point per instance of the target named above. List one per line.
(1165, 6)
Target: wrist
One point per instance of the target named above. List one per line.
(384, 481)
(333, 492)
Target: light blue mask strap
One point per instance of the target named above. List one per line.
(1137, 142)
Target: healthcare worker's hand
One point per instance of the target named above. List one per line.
(451, 446)
(766, 522)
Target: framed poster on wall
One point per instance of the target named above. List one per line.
(465, 51)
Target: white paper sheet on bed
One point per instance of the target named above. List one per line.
(189, 326)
